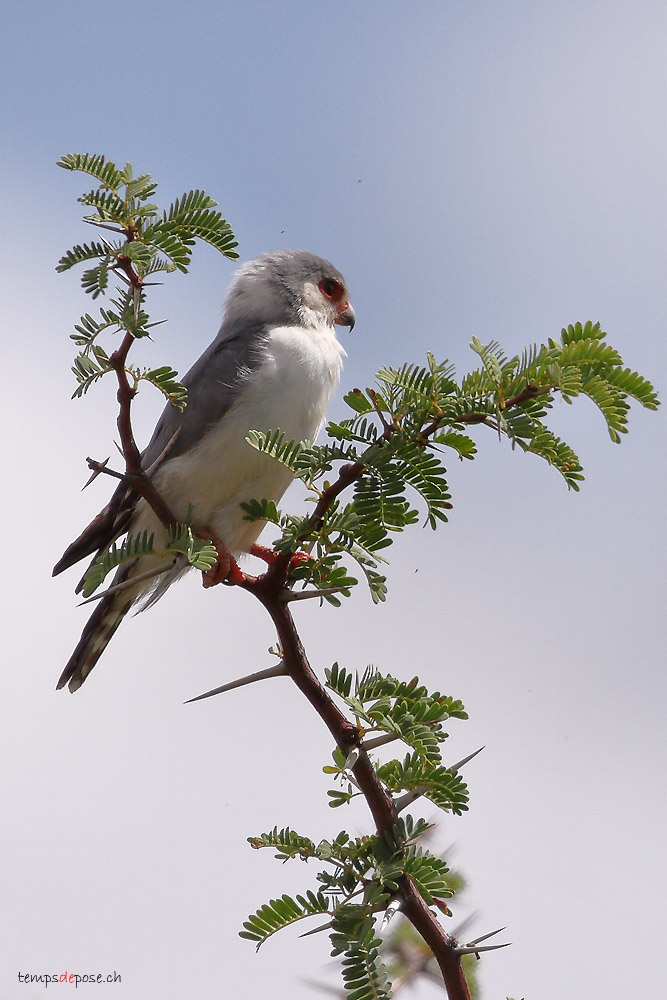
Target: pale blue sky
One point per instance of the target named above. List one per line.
(474, 168)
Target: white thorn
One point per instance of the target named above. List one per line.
(393, 906)
(460, 763)
(484, 937)
(100, 468)
(277, 670)
(484, 947)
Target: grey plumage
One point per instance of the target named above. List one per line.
(275, 357)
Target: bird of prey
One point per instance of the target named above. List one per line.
(274, 365)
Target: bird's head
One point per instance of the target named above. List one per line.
(289, 287)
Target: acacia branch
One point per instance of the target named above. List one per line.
(348, 474)
(268, 589)
(527, 393)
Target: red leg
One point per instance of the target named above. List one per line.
(263, 553)
(270, 555)
(226, 567)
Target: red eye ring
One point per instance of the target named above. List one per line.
(330, 289)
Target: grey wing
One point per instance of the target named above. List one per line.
(213, 384)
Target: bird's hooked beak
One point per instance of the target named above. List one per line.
(345, 316)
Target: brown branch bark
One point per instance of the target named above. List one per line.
(134, 474)
(268, 589)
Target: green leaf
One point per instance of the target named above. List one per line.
(282, 912)
(288, 844)
(340, 681)
(631, 384)
(358, 402)
(429, 874)
(129, 549)
(422, 470)
(110, 207)
(541, 441)
(140, 254)
(88, 328)
(104, 170)
(165, 380)
(87, 370)
(80, 253)
(95, 280)
(261, 510)
(443, 787)
(364, 975)
(176, 246)
(200, 553)
(341, 798)
(273, 443)
(463, 445)
(492, 360)
(193, 216)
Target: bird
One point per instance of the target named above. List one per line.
(274, 364)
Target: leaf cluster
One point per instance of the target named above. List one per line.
(358, 879)
(358, 876)
(406, 710)
(181, 544)
(580, 362)
(161, 240)
(398, 433)
(144, 240)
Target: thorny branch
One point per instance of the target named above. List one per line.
(380, 802)
(135, 476)
(269, 588)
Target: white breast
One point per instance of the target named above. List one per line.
(289, 391)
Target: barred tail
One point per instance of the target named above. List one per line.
(99, 629)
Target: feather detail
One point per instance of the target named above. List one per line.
(98, 630)
(108, 525)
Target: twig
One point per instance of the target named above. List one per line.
(289, 596)
(137, 478)
(97, 467)
(387, 427)
(152, 469)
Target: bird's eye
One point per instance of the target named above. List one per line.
(330, 289)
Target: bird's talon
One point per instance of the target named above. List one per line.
(225, 566)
